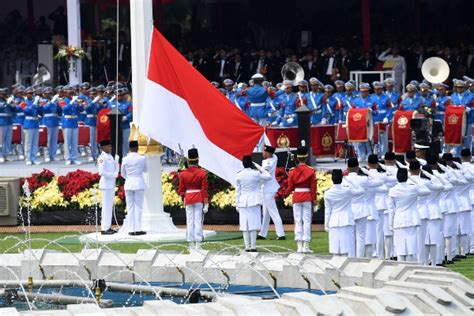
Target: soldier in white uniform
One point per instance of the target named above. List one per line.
(133, 167)
(249, 199)
(108, 171)
(362, 206)
(338, 216)
(468, 167)
(391, 169)
(380, 200)
(270, 188)
(404, 217)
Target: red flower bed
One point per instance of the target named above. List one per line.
(282, 178)
(37, 180)
(76, 181)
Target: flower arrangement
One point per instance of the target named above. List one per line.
(76, 190)
(70, 51)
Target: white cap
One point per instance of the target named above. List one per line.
(257, 76)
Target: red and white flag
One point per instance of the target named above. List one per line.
(181, 108)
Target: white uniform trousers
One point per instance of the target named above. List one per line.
(270, 210)
(302, 216)
(370, 237)
(134, 200)
(380, 235)
(194, 222)
(472, 234)
(433, 241)
(464, 231)
(405, 241)
(360, 226)
(421, 237)
(340, 240)
(107, 206)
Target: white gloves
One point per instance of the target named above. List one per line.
(400, 165)
(370, 218)
(112, 99)
(324, 121)
(385, 120)
(117, 158)
(37, 99)
(326, 228)
(427, 174)
(259, 168)
(97, 98)
(55, 98)
(315, 208)
(115, 174)
(124, 119)
(457, 164)
(442, 167)
(10, 99)
(364, 171)
(74, 99)
(205, 208)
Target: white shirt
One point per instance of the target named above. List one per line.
(337, 204)
(248, 187)
(330, 65)
(108, 171)
(402, 203)
(270, 164)
(221, 72)
(133, 167)
(381, 197)
(363, 205)
(399, 66)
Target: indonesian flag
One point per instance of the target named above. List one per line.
(182, 110)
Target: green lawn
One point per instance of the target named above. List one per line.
(319, 244)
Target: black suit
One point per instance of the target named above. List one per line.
(226, 70)
(413, 61)
(238, 71)
(312, 70)
(203, 65)
(345, 65)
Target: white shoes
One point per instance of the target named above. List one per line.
(68, 163)
(47, 160)
(28, 163)
(2, 160)
(76, 162)
(36, 162)
(21, 157)
(90, 159)
(300, 246)
(306, 247)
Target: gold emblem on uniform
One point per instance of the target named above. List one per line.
(101, 160)
(357, 117)
(104, 119)
(453, 119)
(402, 121)
(326, 141)
(283, 141)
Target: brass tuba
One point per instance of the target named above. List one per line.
(292, 72)
(435, 70)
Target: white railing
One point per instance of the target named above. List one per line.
(383, 74)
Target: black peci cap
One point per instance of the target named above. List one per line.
(410, 154)
(247, 161)
(352, 162)
(389, 155)
(415, 165)
(133, 144)
(373, 159)
(465, 152)
(269, 149)
(105, 142)
(402, 175)
(336, 176)
(448, 157)
(193, 154)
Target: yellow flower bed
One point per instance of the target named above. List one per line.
(224, 199)
(323, 183)
(48, 196)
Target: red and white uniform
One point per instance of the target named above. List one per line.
(302, 182)
(193, 188)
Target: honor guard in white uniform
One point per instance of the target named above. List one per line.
(404, 216)
(270, 188)
(249, 199)
(464, 227)
(133, 167)
(433, 238)
(422, 206)
(381, 197)
(363, 206)
(391, 169)
(469, 167)
(338, 216)
(108, 171)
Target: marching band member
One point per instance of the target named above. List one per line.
(249, 200)
(51, 117)
(133, 167)
(32, 112)
(108, 171)
(393, 95)
(92, 109)
(347, 100)
(126, 107)
(6, 124)
(193, 188)
(19, 119)
(330, 105)
(288, 104)
(338, 215)
(270, 188)
(257, 96)
(302, 182)
(314, 101)
(404, 217)
(411, 100)
(70, 126)
(363, 149)
(381, 196)
(460, 97)
(383, 114)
